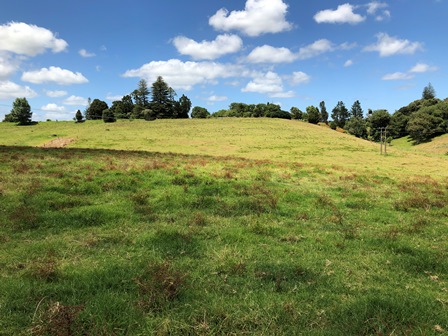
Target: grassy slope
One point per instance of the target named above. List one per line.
(437, 146)
(273, 139)
(132, 242)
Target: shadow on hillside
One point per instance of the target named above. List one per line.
(65, 152)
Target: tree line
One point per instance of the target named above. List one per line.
(421, 120)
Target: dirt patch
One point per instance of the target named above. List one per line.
(57, 143)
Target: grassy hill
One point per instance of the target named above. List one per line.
(273, 139)
(219, 227)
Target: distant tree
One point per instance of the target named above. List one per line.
(79, 117)
(183, 107)
(428, 122)
(20, 113)
(357, 127)
(356, 110)
(340, 114)
(149, 114)
(108, 116)
(378, 119)
(141, 94)
(127, 106)
(296, 113)
(95, 110)
(323, 112)
(313, 114)
(162, 102)
(428, 92)
(199, 112)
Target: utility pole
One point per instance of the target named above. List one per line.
(383, 139)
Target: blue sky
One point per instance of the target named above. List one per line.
(294, 53)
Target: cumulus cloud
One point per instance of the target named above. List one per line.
(86, 54)
(259, 17)
(208, 50)
(315, 49)
(7, 66)
(185, 75)
(10, 90)
(268, 83)
(300, 77)
(56, 93)
(55, 75)
(29, 40)
(388, 45)
(422, 68)
(53, 108)
(418, 68)
(75, 101)
(343, 14)
(215, 98)
(268, 54)
(348, 63)
(398, 76)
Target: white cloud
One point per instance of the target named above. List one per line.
(268, 54)
(53, 108)
(113, 97)
(300, 77)
(215, 98)
(268, 83)
(85, 53)
(185, 75)
(398, 76)
(75, 101)
(259, 17)
(208, 50)
(54, 74)
(348, 63)
(343, 14)
(30, 40)
(374, 7)
(7, 66)
(388, 46)
(56, 93)
(422, 68)
(317, 48)
(10, 90)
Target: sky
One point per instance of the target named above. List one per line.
(297, 53)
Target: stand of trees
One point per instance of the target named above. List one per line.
(242, 110)
(142, 103)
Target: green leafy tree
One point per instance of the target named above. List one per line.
(183, 107)
(20, 113)
(95, 110)
(313, 114)
(162, 102)
(323, 112)
(79, 117)
(356, 110)
(357, 127)
(428, 92)
(378, 119)
(340, 114)
(109, 116)
(296, 113)
(199, 113)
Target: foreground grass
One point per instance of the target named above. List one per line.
(101, 242)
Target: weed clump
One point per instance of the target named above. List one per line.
(160, 285)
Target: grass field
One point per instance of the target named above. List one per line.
(219, 227)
